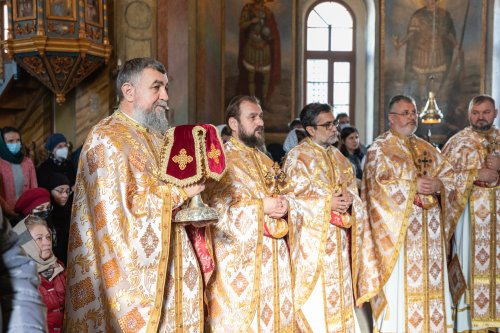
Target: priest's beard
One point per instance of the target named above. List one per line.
(251, 139)
(485, 126)
(154, 119)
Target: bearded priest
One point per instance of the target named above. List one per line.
(121, 270)
(406, 184)
(250, 289)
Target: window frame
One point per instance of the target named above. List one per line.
(332, 57)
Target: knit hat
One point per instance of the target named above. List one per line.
(56, 179)
(54, 140)
(30, 199)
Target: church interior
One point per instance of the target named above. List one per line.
(60, 59)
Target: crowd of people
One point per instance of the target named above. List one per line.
(36, 206)
(400, 236)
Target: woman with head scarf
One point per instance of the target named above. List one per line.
(17, 172)
(36, 241)
(61, 197)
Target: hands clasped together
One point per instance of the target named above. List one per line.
(490, 173)
(341, 201)
(428, 185)
(275, 207)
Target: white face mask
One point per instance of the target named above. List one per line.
(61, 153)
(342, 126)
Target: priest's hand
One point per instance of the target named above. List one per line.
(341, 202)
(428, 185)
(487, 175)
(493, 162)
(275, 207)
(195, 189)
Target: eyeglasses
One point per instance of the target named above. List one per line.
(405, 113)
(60, 191)
(328, 125)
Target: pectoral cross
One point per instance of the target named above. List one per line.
(424, 163)
(275, 179)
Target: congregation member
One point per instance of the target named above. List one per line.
(36, 242)
(21, 306)
(295, 135)
(474, 154)
(35, 201)
(57, 161)
(17, 172)
(251, 288)
(342, 121)
(351, 148)
(121, 272)
(324, 204)
(61, 198)
(402, 179)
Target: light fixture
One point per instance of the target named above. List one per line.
(431, 114)
(58, 42)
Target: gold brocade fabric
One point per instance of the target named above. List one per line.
(319, 249)
(250, 289)
(467, 151)
(392, 166)
(129, 269)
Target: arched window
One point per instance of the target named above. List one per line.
(330, 56)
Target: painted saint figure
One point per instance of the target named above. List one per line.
(430, 41)
(259, 58)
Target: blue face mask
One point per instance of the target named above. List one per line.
(14, 148)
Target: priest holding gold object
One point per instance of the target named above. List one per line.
(129, 269)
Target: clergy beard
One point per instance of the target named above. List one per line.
(154, 119)
(334, 138)
(251, 140)
(483, 128)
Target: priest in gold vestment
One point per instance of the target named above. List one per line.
(402, 179)
(474, 154)
(250, 289)
(129, 268)
(324, 205)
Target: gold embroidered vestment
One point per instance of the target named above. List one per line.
(250, 289)
(407, 235)
(479, 240)
(129, 268)
(323, 290)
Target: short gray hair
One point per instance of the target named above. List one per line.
(132, 69)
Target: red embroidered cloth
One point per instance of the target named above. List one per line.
(190, 153)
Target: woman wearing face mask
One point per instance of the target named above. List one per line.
(35, 201)
(61, 197)
(17, 172)
(36, 242)
(58, 161)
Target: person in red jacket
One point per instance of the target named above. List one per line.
(38, 245)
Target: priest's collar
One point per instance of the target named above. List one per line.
(314, 143)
